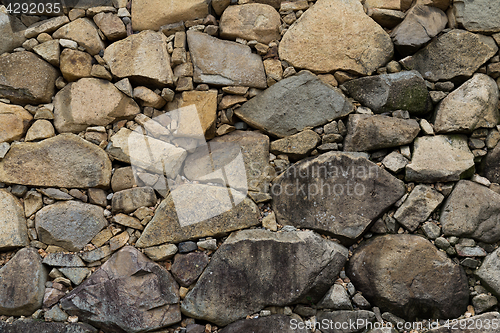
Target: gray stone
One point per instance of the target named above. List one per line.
(60, 259)
(366, 132)
(33, 325)
(47, 26)
(336, 298)
(387, 18)
(70, 224)
(55, 314)
(14, 232)
(483, 303)
(11, 32)
(455, 54)
(84, 32)
(440, 158)
(472, 210)
(431, 230)
(481, 16)
(23, 284)
(237, 282)
(129, 200)
(389, 92)
(187, 268)
(32, 203)
(354, 318)
(408, 276)
(55, 194)
(489, 272)
(280, 110)
(296, 146)
(161, 252)
(338, 193)
(395, 162)
(490, 166)
(470, 251)
(226, 63)
(274, 323)
(96, 254)
(145, 293)
(75, 274)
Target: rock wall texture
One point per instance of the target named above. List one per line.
(264, 166)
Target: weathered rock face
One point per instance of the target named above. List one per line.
(296, 146)
(69, 224)
(389, 92)
(14, 122)
(84, 32)
(224, 63)
(26, 79)
(473, 105)
(298, 265)
(490, 166)
(23, 284)
(14, 232)
(195, 211)
(206, 110)
(63, 161)
(472, 210)
(111, 26)
(408, 276)
(145, 293)
(188, 267)
(489, 271)
(129, 200)
(11, 32)
(367, 132)
(252, 21)
(478, 16)
(142, 57)
(452, 55)
(152, 14)
(282, 109)
(440, 158)
(475, 321)
(354, 42)
(32, 325)
(274, 323)
(337, 193)
(75, 64)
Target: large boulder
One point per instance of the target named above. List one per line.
(481, 16)
(337, 193)
(11, 32)
(91, 102)
(489, 272)
(14, 231)
(14, 122)
(409, 277)
(22, 284)
(354, 41)
(62, 161)
(222, 62)
(258, 268)
(26, 79)
(472, 210)
(84, 32)
(283, 109)
(144, 292)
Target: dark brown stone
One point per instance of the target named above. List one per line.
(188, 267)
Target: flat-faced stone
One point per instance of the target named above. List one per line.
(14, 232)
(60, 259)
(11, 32)
(47, 26)
(296, 146)
(75, 64)
(36, 325)
(40, 130)
(188, 267)
(129, 200)
(49, 51)
(84, 32)
(14, 122)
(481, 16)
(111, 26)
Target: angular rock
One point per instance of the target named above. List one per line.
(162, 252)
(440, 158)
(475, 321)
(123, 179)
(395, 162)
(419, 205)
(50, 51)
(11, 32)
(41, 129)
(489, 271)
(354, 42)
(111, 26)
(70, 224)
(63, 260)
(47, 26)
(387, 18)
(490, 166)
(390, 92)
(473, 105)
(455, 54)
(75, 64)
(282, 109)
(26, 79)
(63, 161)
(75, 274)
(14, 122)
(363, 316)
(481, 16)
(336, 298)
(91, 102)
(337, 193)
(237, 282)
(296, 146)
(14, 232)
(274, 323)
(367, 132)
(472, 210)
(409, 277)
(32, 203)
(187, 268)
(23, 284)
(84, 32)
(143, 58)
(129, 200)
(145, 293)
(226, 63)
(194, 211)
(253, 21)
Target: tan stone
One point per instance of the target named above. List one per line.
(46, 26)
(41, 129)
(75, 64)
(49, 51)
(148, 97)
(84, 32)
(111, 26)
(273, 69)
(14, 122)
(14, 232)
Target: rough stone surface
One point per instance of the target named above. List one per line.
(354, 42)
(337, 193)
(481, 16)
(188, 267)
(111, 26)
(33, 325)
(409, 277)
(13, 224)
(41, 129)
(75, 64)
(84, 32)
(11, 32)
(49, 51)
(145, 293)
(206, 108)
(490, 165)
(336, 298)
(296, 146)
(238, 282)
(274, 323)
(129, 200)
(282, 109)
(14, 122)
(63, 161)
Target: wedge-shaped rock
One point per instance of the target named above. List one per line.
(440, 158)
(144, 292)
(455, 54)
(473, 105)
(390, 92)
(298, 266)
(84, 32)
(472, 210)
(367, 132)
(336, 193)
(143, 58)
(282, 110)
(26, 79)
(14, 232)
(23, 284)
(274, 323)
(489, 272)
(14, 122)
(62, 161)
(47, 26)
(69, 224)
(409, 277)
(354, 41)
(195, 211)
(296, 146)
(481, 16)
(224, 63)
(11, 32)
(91, 102)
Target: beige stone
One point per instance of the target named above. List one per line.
(11, 33)
(75, 64)
(273, 69)
(14, 232)
(148, 97)
(111, 26)
(41, 129)
(84, 32)
(46, 26)
(49, 51)
(14, 122)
